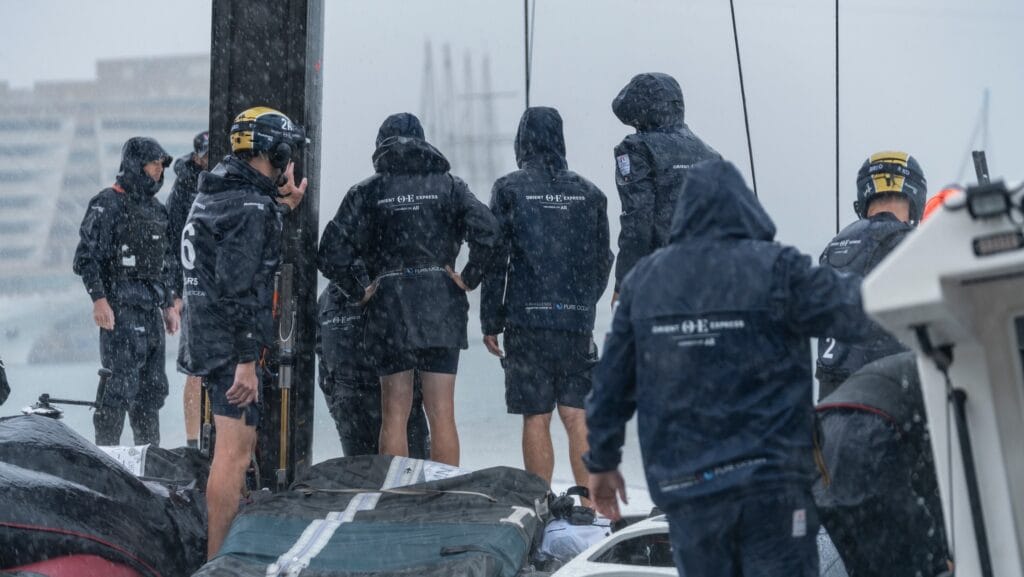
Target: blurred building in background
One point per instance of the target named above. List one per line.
(60, 144)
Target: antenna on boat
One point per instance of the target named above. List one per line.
(837, 116)
(743, 95)
(980, 127)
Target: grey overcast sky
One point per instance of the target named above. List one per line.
(912, 77)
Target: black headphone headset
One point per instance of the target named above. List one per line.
(280, 155)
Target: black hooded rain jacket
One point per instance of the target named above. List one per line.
(231, 247)
(554, 259)
(407, 223)
(710, 346)
(123, 253)
(651, 165)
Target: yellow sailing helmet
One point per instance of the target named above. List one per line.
(891, 172)
(264, 130)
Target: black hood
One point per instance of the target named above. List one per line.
(186, 170)
(716, 204)
(402, 148)
(407, 155)
(232, 174)
(651, 101)
(135, 154)
(540, 139)
(185, 166)
(401, 124)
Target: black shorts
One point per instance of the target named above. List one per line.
(546, 367)
(217, 384)
(435, 360)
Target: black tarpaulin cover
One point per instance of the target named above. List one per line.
(61, 495)
(381, 515)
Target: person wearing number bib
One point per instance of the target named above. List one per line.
(230, 251)
(407, 223)
(126, 263)
(891, 195)
(709, 346)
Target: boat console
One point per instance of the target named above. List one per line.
(954, 292)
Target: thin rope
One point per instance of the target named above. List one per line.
(743, 95)
(837, 117)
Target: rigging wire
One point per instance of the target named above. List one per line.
(529, 20)
(837, 116)
(743, 95)
(533, 30)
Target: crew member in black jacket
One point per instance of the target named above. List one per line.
(880, 500)
(125, 261)
(230, 249)
(187, 169)
(349, 381)
(709, 346)
(552, 268)
(407, 223)
(891, 194)
(651, 165)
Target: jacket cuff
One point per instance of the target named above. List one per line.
(245, 347)
(599, 464)
(492, 326)
(472, 275)
(96, 291)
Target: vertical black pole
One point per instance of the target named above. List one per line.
(269, 53)
(959, 400)
(526, 47)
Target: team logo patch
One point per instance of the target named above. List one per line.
(623, 162)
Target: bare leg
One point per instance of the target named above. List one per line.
(575, 421)
(538, 454)
(231, 458)
(193, 388)
(439, 403)
(395, 404)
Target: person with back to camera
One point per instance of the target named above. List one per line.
(709, 346)
(891, 193)
(542, 293)
(406, 224)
